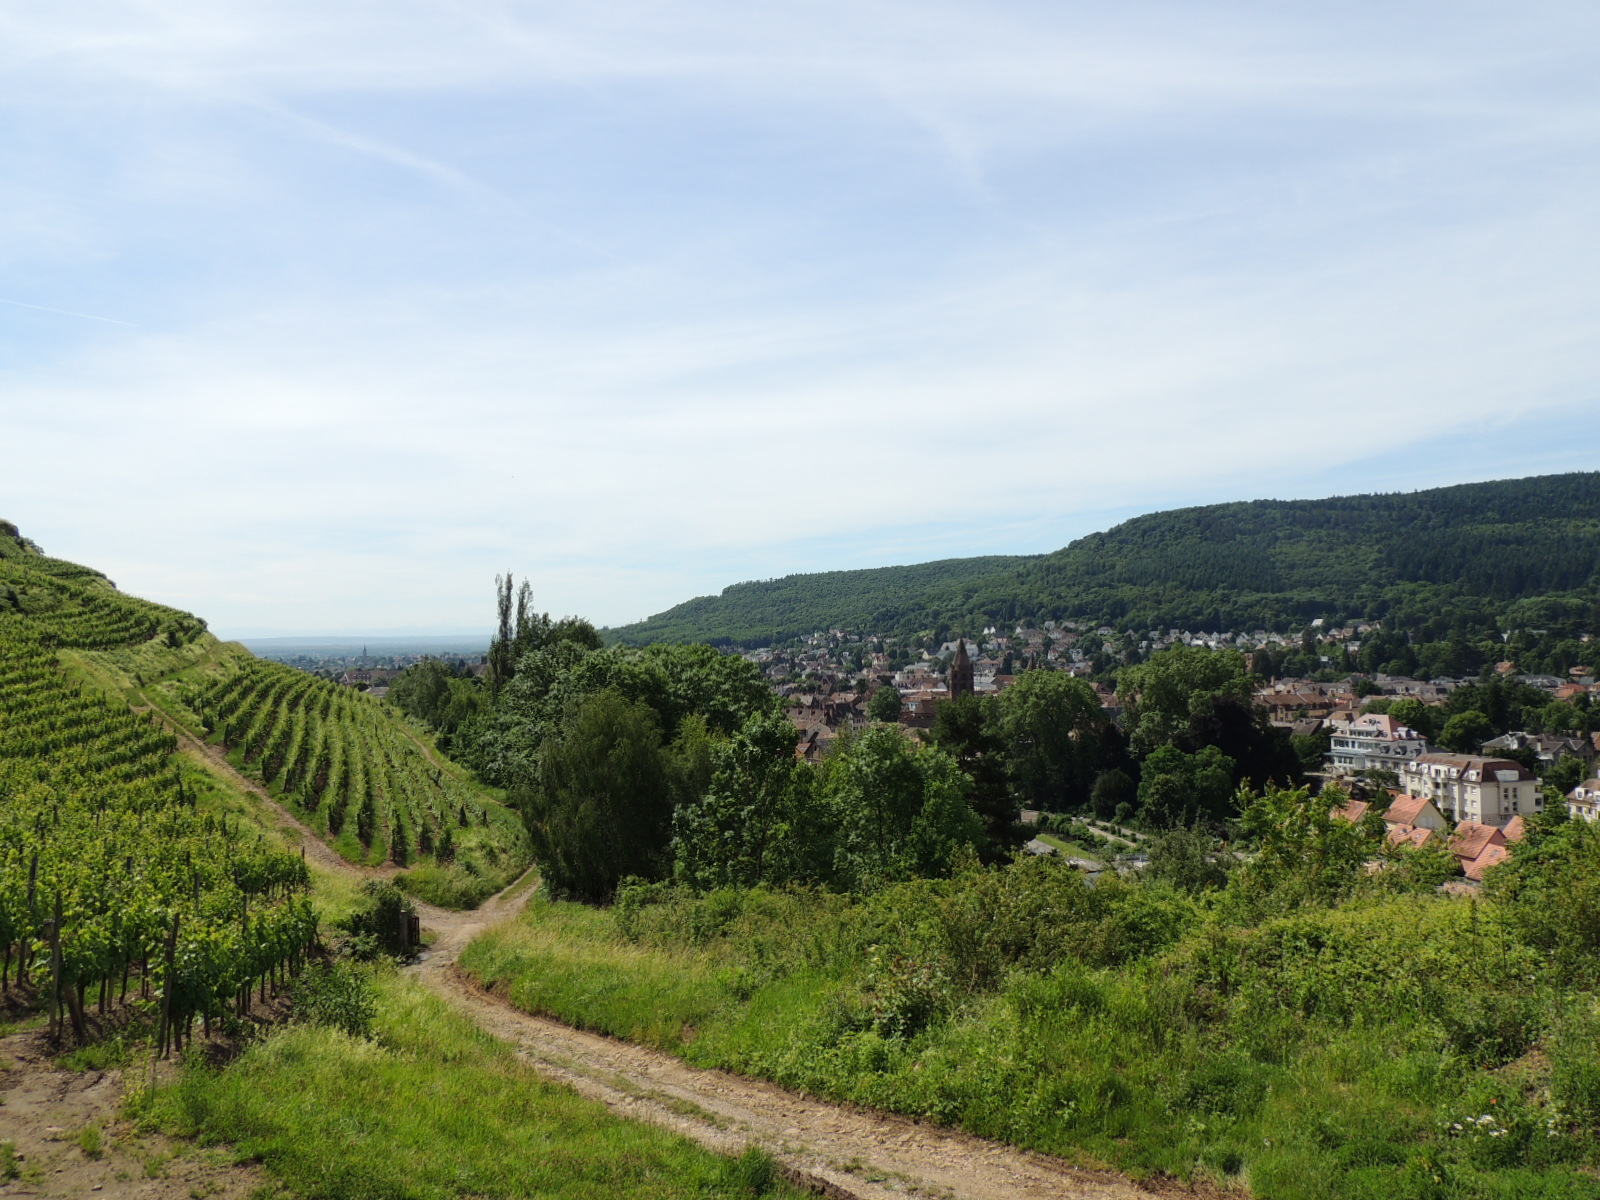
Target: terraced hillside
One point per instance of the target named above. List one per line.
(352, 771)
(348, 765)
(103, 841)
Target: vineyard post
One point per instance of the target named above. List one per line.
(166, 987)
(26, 951)
(54, 930)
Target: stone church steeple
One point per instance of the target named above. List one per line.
(961, 672)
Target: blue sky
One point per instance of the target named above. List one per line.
(313, 316)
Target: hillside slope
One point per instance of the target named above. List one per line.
(1527, 548)
(349, 766)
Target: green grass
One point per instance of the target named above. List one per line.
(155, 673)
(1089, 1050)
(565, 962)
(432, 1108)
(1070, 848)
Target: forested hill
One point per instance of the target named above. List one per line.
(1523, 550)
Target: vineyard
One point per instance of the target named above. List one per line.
(115, 878)
(111, 876)
(62, 605)
(347, 766)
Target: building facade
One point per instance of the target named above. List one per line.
(1469, 787)
(1373, 741)
(1584, 800)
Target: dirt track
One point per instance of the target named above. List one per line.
(837, 1150)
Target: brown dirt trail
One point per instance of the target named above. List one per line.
(839, 1150)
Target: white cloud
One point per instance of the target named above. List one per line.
(644, 300)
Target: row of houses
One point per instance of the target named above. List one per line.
(1415, 821)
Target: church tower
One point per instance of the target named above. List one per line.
(961, 672)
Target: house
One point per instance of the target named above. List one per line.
(814, 744)
(1516, 829)
(1478, 847)
(1492, 856)
(1469, 787)
(1413, 821)
(1471, 838)
(1550, 748)
(1372, 741)
(1409, 835)
(1584, 800)
(1414, 812)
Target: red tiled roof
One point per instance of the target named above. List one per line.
(1405, 810)
(1351, 810)
(1493, 855)
(1471, 839)
(1408, 835)
(1516, 829)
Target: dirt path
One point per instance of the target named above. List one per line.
(838, 1150)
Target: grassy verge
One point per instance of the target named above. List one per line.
(155, 673)
(1357, 1052)
(1071, 848)
(431, 1108)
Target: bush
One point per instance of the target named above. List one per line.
(1575, 1068)
(338, 996)
(376, 926)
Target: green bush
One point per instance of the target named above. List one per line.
(376, 925)
(339, 996)
(449, 884)
(1575, 1068)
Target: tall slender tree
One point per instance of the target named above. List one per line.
(502, 647)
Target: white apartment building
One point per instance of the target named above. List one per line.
(1468, 787)
(1584, 800)
(1374, 740)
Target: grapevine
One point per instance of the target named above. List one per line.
(103, 845)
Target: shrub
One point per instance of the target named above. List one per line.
(338, 996)
(1575, 1068)
(376, 926)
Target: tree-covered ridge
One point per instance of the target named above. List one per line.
(1271, 564)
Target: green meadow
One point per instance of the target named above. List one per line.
(1396, 1045)
(430, 1108)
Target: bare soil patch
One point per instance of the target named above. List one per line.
(72, 1141)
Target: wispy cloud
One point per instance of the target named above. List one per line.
(644, 299)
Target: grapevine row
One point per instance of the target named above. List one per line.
(109, 872)
(340, 758)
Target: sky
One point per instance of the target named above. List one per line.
(315, 316)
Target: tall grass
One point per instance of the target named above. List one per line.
(430, 1108)
(1394, 1047)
